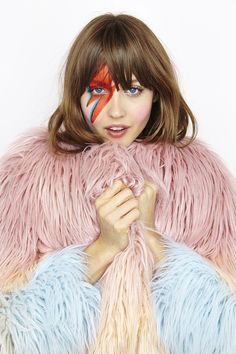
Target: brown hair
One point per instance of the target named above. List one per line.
(127, 46)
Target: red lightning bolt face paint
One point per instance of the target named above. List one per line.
(103, 80)
(102, 106)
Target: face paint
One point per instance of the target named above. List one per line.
(103, 79)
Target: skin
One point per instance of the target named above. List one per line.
(102, 105)
(101, 254)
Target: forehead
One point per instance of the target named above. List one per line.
(103, 76)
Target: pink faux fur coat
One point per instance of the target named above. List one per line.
(47, 204)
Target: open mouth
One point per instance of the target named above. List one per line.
(116, 133)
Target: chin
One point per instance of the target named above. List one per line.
(124, 142)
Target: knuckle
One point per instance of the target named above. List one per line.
(152, 186)
(119, 183)
(128, 192)
(148, 187)
(150, 191)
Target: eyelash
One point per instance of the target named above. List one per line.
(140, 90)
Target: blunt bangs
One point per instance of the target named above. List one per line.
(122, 51)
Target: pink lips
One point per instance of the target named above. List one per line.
(116, 126)
(116, 134)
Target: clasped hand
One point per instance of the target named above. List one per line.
(147, 203)
(117, 208)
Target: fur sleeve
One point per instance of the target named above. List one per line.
(20, 206)
(200, 208)
(195, 309)
(56, 312)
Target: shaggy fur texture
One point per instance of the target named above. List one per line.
(47, 203)
(195, 309)
(56, 312)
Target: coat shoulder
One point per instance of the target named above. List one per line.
(30, 144)
(198, 156)
(29, 152)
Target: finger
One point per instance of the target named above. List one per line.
(126, 208)
(120, 198)
(129, 218)
(117, 186)
(151, 185)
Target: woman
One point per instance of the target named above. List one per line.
(118, 232)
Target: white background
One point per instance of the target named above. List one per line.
(198, 35)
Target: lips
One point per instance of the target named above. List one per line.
(115, 129)
(118, 126)
(116, 133)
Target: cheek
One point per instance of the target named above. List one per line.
(92, 105)
(142, 113)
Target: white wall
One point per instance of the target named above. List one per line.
(198, 35)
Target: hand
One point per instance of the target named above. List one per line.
(117, 208)
(147, 203)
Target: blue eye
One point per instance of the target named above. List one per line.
(95, 90)
(135, 90)
(98, 90)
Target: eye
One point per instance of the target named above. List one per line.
(98, 90)
(135, 90)
(95, 90)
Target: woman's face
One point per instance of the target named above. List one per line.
(104, 107)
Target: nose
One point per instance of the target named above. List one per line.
(116, 107)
